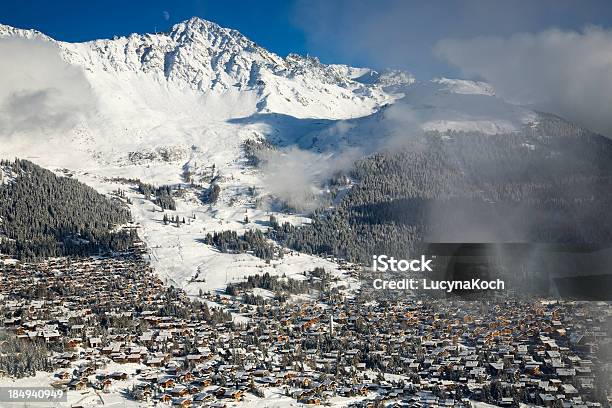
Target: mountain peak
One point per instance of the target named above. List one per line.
(197, 24)
(200, 20)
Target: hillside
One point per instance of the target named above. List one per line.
(43, 215)
(546, 184)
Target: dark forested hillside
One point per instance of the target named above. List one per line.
(549, 183)
(252, 240)
(44, 215)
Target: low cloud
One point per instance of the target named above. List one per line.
(297, 176)
(564, 72)
(39, 92)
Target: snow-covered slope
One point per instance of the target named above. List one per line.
(437, 105)
(163, 105)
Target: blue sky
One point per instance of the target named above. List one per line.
(267, 22)
(384, 33)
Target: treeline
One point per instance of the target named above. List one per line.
(43, 215)
(175, 220)
(252, 241)
(253, 150)
(161, 195)
(548, 183)
(279, 284)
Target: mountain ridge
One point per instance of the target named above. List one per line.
(207, 57)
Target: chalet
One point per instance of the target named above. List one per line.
(155, 362)
(179, 391)
(133, 358)
(167, 383)
(312, 400)
(233, 394)
(77, 384)
(203, 397)
(182, 402)
(94, 342)
(118, 375)
(165, 398)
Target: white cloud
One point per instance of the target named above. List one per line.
(39, 92)
(296, 176)
(565, 72)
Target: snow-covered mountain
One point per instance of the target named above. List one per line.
(158, 106)
(206, 57)
(178, 89)
(155, 90)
